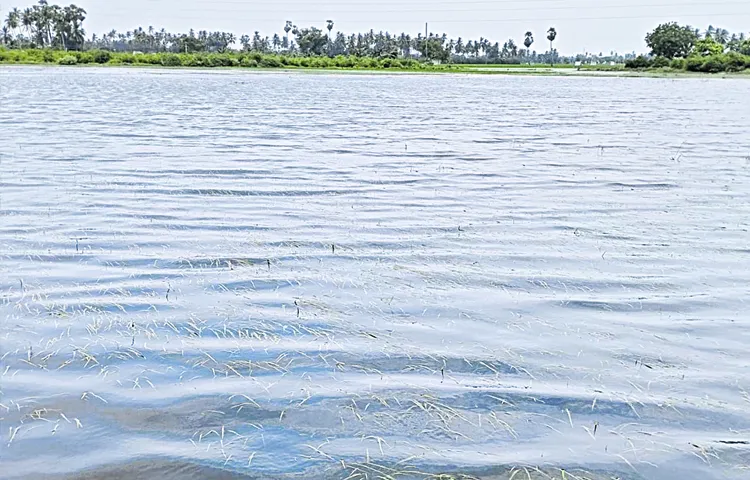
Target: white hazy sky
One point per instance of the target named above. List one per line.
(583, 25)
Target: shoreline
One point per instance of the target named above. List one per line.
(489, 70)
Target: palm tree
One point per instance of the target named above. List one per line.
(14, 20)
(287, 29)
(459, 46)
(329, 26)
(551, 36)
(721, 36)
(27, 20)
(528, 41)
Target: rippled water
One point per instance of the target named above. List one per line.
(220, 275)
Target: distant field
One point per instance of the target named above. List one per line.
(515, 65)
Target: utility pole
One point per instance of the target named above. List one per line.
(425, 30)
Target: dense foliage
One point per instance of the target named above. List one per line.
(204, 59)
(45, 26)
(678, 47)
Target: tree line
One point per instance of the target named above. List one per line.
(682, 47)
(45, 26)
(50, 26)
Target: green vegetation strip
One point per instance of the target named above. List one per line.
(214, 60)
(682, 48)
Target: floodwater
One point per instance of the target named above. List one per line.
(242, 275)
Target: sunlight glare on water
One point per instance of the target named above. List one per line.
(236, 275)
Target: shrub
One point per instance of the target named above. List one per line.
(320, 62)
(678, 64)
(370, 63)
(149, 58)
(83, 58)
(214, 60)
(694, 64)
(638, 63)
(734, 62)
(100, 56)
(127, 58)
(342, 61)
(271, 62)
(190, 61)
(171, 60)
(68, 60)
(409, 63)
(660, 62)
(714, 64)
(48, 57)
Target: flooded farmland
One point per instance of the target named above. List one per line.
(234, 275)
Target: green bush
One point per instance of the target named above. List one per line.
(215, 60)
(271, 62)
(171, 60)
(341, 61)
(68, 60)
(660, 62)
(735, 62)
(694, 64)
(678, 64)
(639, 62)
(101, 56)
(370, 63)
(320, 62)
(714, 64)
(127, 58)
(150, 58)
(84, 58)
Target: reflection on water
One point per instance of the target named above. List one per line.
(229, 275)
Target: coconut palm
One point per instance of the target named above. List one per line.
(27, 20)
(14, 20)
(721, 36)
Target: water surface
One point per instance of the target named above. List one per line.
(237, 275)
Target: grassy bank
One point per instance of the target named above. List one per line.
(256, 60)
(213, 60)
